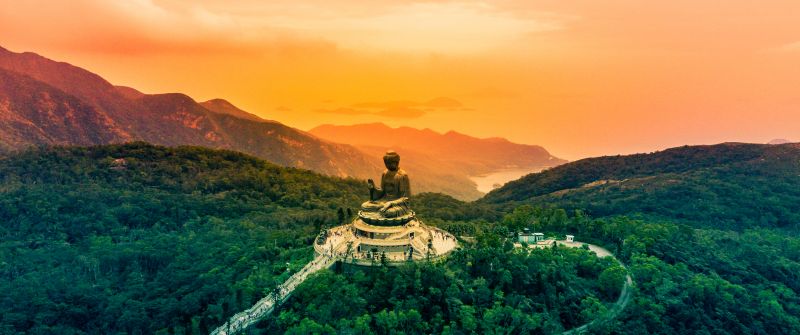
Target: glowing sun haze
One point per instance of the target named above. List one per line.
(582, 78)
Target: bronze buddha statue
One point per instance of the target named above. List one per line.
(390, 200)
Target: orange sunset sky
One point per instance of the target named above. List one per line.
(582, 78)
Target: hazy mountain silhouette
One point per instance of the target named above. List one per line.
(469, 154)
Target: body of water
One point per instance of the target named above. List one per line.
(496, 179)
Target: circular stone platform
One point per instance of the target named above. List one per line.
(367, 244)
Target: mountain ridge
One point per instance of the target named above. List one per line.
(223, 106)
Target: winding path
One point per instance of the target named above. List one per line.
(624, 296)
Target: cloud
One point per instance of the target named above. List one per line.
(214, 27)
(145, 27)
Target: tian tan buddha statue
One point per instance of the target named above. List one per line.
(389, 203)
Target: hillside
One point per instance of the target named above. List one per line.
(135, 238)
(47, 102)
(729, 185)
(30, 109)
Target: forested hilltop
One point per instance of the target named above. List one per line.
(730, 185)
(136, 238)
(708, 233)
(686, 281)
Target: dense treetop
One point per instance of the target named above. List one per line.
(136, 238)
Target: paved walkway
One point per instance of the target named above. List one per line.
(264, 307)
(600, 251)
(624, 296)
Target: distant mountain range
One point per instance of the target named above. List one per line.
(724, 186)
(445, 161)
(471, 155)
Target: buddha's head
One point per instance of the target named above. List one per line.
(392, 160)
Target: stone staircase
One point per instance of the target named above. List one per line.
(240, 321)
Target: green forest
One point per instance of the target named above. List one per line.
(486, 288)
(173, 239)
(698, 281)
(143, 239)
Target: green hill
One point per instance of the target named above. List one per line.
(728, 185)
(136, 238)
